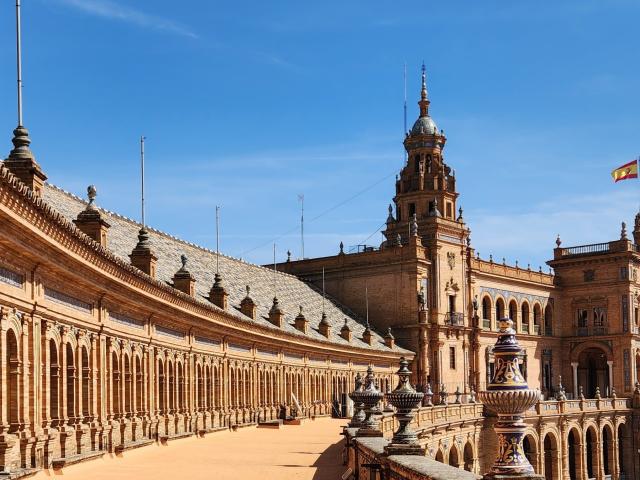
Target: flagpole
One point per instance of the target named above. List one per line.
(19, 60)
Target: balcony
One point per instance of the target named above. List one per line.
(455, 319)
(589, 331)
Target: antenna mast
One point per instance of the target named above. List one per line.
(275, 289)
(323, 295)
(301, 199)
(405, 108)
(217, 239)
(142, 179)
(19, 60)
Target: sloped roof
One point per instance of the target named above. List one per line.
(236, 275)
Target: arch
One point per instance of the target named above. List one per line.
(170, 387)
(126, 403)
(139, 381)
(537, 318)
(593, 371)
(115, 389)
(454, 456)
(513, 314)
(468, 457)
(551, 456)
(71, 381)
(440, 456)
(591, 451)
(85, 380)
(12, 385)
(548, 319)
(54, 382)
(161, 387)
(500, 309)
(530, 447)
(524, 316)
(574, 446)
(486, 309)
(625, 450)
(608, 453)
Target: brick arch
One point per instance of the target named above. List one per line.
(575, 353)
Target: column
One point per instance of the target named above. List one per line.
(93, 364)
(4, 371)
(574, 368)
(610, 365)
(64, 417)
(25, 377)
(46, 390)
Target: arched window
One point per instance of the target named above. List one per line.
(548, 320)
(12, 386)
(525, 317)
(513, 313)
(499, 310)
(537, 315)
(486, 308)
(416, 164)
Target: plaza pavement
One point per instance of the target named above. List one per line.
(311, 451)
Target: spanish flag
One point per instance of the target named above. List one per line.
(626, 171)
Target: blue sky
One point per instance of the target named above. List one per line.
(247, 104)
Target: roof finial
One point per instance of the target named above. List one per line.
(424, 100)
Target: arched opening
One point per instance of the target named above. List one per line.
(625, 451)
(548, 320)
(13, 384)
(513, 314)
(575, 446)
(161, 387)
(171, 394)
(138, 407)
(468, 457)
(85, 378)
(607, 450)
(551, 470)
(199, 388)
(127, 385)
(454, 458)
(180, 382)
(537, 317)
(440, 456)
(486, 312)
(524, 313)
(499, 310)
(529, 446)
(115, 372)
(593, 372)
(71, 383)
(54, 387)
(592, 453)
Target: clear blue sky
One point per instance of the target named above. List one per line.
(248, 104)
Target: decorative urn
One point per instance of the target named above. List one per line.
(370, 397)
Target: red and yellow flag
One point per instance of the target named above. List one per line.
(626, 171)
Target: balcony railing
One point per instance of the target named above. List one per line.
(455, 319)
(536, 329)
(588, 331)
(525, 328)
(486, 323)
(586, 249)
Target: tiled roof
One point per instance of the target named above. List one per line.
(236, 275)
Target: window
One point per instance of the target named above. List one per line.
(624, 273)
(452, 358)
(412, 210)
(424, 287)
(486, 308)
(449, 210)
(416, 164)
(452, 303)
(428, 163)
(599, 316)
(582, 317)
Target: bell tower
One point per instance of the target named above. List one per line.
(426, 186)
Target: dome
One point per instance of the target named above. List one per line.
(424, 125)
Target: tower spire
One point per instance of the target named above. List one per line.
(424, 100)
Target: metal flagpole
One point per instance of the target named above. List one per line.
(323, 294)
(275, 290)
(142, 179)
(19, 61)
(405, 110)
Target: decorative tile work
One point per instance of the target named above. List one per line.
(507, 294)
(268, 353)
(627, 369)
(11, 278)
(67, 300)
(125, 320)
(294, 356)
(169, 332)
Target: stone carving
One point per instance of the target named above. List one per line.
(358, 407)
(369, 396)
(451, 260)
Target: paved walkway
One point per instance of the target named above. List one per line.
(311, 451)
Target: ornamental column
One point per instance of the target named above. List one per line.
(610, 365)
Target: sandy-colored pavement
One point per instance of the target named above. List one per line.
(311, 451)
